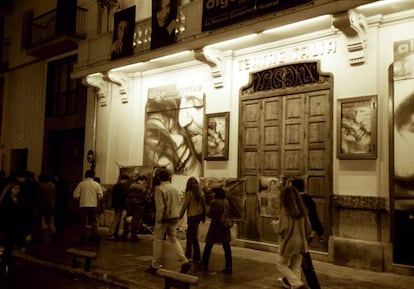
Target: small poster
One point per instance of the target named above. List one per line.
(164, 24)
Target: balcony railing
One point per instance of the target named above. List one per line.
(47, 27)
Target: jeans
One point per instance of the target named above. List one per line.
(168, 229)
(114, 230)
(88, 215)
(192, 244)
(227, 254)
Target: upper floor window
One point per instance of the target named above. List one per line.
(65, 96)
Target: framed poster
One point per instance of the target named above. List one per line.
(357, 128)
(123, 36)
(217, 136)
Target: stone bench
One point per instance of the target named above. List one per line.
(176, 280)
(88, 256)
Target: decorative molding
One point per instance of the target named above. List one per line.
(354, 26)
(214, 59)
(285, 76)
(122, 80)
(359, 202)
(97, 81)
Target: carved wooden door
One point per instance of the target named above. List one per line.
(286, 133)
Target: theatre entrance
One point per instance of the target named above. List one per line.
(285, 131)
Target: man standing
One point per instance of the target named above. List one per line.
(136, 199)
(119, 193)
(88, 192)
(167, 212)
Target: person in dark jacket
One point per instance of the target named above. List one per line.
(136, 199)
(13, 223)
(118, 203)
(217, 233)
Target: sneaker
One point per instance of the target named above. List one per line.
(185, 267)
(227, 271)
(284, 283)
(110, 237)
(151, 270)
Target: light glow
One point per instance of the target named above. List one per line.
(171, 56)
(234, 41)
(297, 25)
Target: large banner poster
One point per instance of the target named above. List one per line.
(164, 24)
(221, 13)
(174, 128)
(403, 181)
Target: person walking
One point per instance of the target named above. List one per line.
(46, 203)
(136, 199)
(195, 206)
(317, 229)
(118, 203)
(88, 192)
(294, 228)
(218, 232)
(12, 222)
(167, 211)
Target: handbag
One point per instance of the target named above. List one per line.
(225, 219)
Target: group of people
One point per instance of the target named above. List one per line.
(168, 212)
(27, 207)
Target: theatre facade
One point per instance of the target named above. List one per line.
(248, 95)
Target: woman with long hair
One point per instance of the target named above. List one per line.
(217, 232)
(294, 228)
(195, 206)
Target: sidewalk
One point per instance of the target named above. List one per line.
(123, 263)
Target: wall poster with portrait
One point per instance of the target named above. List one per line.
(401, 152)
(123, 37)
(164, 25)
(174, 128)
(357, 128)
(269, 197)
(217, 136)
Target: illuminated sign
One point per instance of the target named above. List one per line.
(221, 13)
(297, 53)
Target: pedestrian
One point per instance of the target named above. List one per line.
(46, 203)
(136, 199)
(88, 192)
(28, 194)
(195, 206)
(12, 222)
(118, 203)
(217, 232)
(167, 212)
(317, 229)
(294, 229)
(101, 203)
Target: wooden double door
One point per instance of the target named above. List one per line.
(285, 133)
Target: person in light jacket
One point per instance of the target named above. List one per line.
(88, 192)
(294, 228)
(167, 212)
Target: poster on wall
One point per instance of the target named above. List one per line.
(164, 24)
(123, 37)
(269, 197)
(404, 118)
(174, 128)
(218, 14)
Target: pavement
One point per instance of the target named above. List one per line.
(123, 263)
